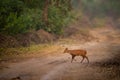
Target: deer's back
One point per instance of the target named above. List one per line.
(78, 52)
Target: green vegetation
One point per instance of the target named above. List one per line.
(21, 16)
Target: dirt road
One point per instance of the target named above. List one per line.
(59, 67)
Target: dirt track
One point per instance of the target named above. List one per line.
(59, 67)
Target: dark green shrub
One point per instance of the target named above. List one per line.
(8, 7)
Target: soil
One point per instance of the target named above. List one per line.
(58, 66)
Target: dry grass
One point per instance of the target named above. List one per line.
(9, 54)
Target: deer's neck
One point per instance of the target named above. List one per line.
(68, 51)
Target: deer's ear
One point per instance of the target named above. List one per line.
(66, 48)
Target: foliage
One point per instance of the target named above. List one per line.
(21, 16)
(57, 20)
(33, 3)
(8, 7)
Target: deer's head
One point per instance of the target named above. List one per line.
(65, 51)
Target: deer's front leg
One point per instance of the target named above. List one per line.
(73, 56)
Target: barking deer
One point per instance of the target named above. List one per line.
(77, 52)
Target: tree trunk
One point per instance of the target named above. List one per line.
(45, 12)
(69, 5)
(57, 3)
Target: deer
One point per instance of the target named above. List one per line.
(77, 52)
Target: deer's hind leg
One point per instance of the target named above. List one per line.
(82, 59)
(87, 58)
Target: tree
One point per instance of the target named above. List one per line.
(69, 5)
(45, 12)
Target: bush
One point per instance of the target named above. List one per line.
(8, 7)
(57, 20)
(18, 16)
(24, 23)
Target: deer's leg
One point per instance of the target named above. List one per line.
(73, 56)
(87, 58)
(82, 59)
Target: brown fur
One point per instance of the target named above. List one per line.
(16, 78)
(75, 53)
